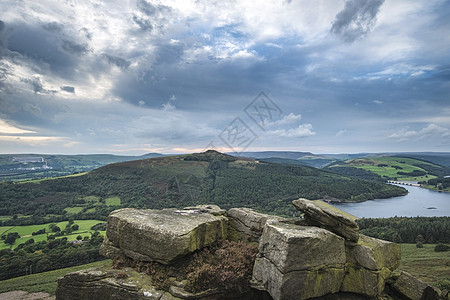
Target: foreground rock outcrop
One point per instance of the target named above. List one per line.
(162, 235)
(322, 256)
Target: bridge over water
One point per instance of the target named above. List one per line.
(403, 183)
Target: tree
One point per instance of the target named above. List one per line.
(420, 238)
(75, 227)
(54, 228)
(441, 248)
(79, 237)
(11, 238)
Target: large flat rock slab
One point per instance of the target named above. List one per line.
(161, 235)
(321, 214)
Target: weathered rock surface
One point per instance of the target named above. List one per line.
(412, 288)
(370, 262)
(161, 235)
(321, 214)
(299, 262)
(373, 254)
(101, 284)
(248, 223)
(363, 281)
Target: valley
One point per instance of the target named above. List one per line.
(61, 219)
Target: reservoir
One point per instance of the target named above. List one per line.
(419, 202)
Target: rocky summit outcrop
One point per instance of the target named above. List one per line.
(162, 235)
(322, 256)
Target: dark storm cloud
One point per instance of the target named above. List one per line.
(356, 19)
(53, 27)
(143, 24)
(150, 9)
(43, 46)
(86, 33)
(69, 89)
(37, 86)
(117, 61)
(442, 73)
(74, 48)
(150, 15)
(2, 36)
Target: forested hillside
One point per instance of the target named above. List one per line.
(185, 180)
(408, 230)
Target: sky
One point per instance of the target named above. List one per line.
(131, 77)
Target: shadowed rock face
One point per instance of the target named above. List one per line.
(248, 223)
(299, 262)
(161, 235)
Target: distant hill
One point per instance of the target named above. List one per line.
(28, 166)
(179, 181)
(439, 158)
(292, 158)
(404, 168)
(279, 154)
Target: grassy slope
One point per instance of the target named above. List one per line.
(426, 264)
(43, 282)
(26, 231)
(406, 164)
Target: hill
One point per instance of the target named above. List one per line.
(178, 181)
(28, 166)
(390, 168)
(292, 158)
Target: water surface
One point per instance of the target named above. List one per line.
(419, 202)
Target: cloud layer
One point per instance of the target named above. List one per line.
(142, 75)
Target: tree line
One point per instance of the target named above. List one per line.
(430, 230)
(30, 257)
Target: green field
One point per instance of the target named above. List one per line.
(112, 201)
(73, 210)
(51, 178)
(26, 231)
(44, 282)
(426, 264)
(92, 201)
(389, 166)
